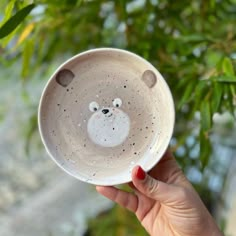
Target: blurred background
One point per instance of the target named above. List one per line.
(191, 42)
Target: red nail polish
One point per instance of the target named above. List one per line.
(140, 173)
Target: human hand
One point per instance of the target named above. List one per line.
(164, 201)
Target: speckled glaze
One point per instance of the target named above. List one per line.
(104, 111)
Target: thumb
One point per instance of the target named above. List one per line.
(152, 188)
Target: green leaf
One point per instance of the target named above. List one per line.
(224, 78)
(27, 54)
(8, 11)
(212, 4)
(227, 67)
(200, 92)
(229, 98)
(25, 96)
(15, 20)
(79, 2)
(31, 128)
(71, 2)
(187, 94)
(216, 97)
(7, 14)
(205, 115)
(232, 89)
(205, 149)
(194, 38)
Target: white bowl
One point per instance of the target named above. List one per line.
(104, 111)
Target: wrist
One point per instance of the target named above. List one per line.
(216, 232)
(213, 229)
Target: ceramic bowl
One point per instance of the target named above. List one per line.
(104, 111)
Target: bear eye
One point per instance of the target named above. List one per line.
(117, 102)
(93, 106)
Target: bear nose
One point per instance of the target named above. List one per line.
(105, 111)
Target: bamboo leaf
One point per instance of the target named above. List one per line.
(212, 4)
(216, 97)
(15, 20)
(187, 94)
(26, 32)
(71, 2)
(205, 115)
(229, 98)
(232, 89)
(200, 90)
(7, 14)
(32, 127)
(8, 11)
(193, 38)
(27, 54)
(224, 78)
(79, 2)
(205, 149)
(227, 67)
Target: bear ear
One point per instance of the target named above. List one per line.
(64, 77)
(149, 78)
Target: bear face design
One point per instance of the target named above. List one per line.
(108, 126)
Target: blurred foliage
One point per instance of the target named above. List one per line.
(192, 43)
(118, 222)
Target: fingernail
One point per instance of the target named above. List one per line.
(140, 174)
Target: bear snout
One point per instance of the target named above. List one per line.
(105, 111)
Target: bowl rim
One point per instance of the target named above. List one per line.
(40, 105)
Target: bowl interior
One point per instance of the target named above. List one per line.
(103, 112)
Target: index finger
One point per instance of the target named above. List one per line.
(124, 199)
(166, 167)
